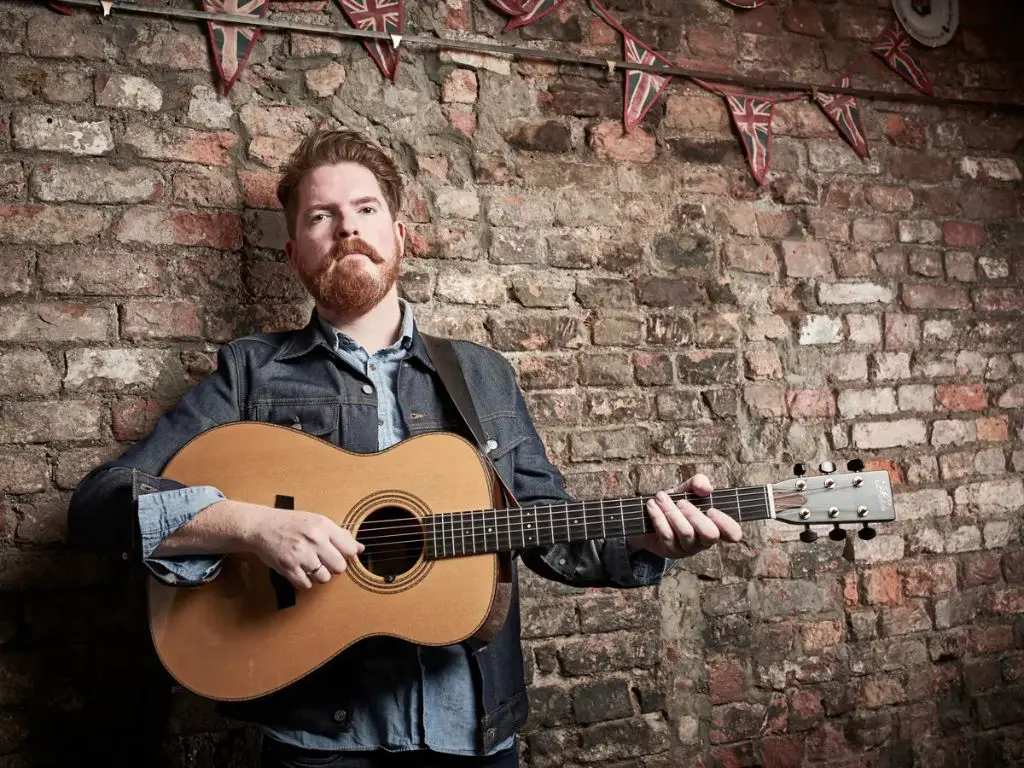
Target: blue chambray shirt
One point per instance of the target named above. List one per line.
(432, 707)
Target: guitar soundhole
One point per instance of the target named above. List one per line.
(394, 542)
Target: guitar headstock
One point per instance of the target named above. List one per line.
(853, 498)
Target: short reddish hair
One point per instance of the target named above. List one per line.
(328, 147)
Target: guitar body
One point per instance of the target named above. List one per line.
(233, 638)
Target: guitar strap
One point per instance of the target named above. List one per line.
(446, 361)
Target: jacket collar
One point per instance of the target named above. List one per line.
(303, 341)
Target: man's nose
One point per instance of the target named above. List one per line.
(347, 228)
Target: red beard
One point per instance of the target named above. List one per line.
(347, 286)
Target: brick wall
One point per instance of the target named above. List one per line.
(663, 314)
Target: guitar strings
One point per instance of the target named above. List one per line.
(607, 510)
(740, 494)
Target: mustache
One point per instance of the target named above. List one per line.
(355, 245)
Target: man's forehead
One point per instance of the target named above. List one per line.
(343, 182)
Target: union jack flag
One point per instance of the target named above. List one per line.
(753, 120)
(232, 43)
(533, 10)
(60, 8)
(379, 16)
(844, 112)
(893, 47)
(642, 88)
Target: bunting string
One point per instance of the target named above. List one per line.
(236, 25)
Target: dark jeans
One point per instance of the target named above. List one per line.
(277, 755)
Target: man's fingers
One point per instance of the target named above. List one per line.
(699, 484)
(704, 527)
(661, 524)
(682, 531)
(729, 529)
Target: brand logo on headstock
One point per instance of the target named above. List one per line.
(884, 495)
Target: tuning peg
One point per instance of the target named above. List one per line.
(827, 467)
(807, 536)
(855, 465)
(837, 533)
(799, 469)
(867, 533)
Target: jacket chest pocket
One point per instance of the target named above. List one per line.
(316, 419)
(504, 434)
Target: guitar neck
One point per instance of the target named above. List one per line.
(456, 534)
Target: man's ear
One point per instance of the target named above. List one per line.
(400, 235)
(289, 250)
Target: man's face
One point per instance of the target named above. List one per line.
(347, 247)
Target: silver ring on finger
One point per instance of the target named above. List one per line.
(315, 570)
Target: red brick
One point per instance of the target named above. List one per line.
(161, 226)
(806, 121)
(147, 320)
(819, 635)
(981, 568)
(259, 188)
(877, 230)
(50, 421)
(992, 429)
(895, 473)
(134, 417)
(459, 87)
(932, 578)
(782, 751)
(1012, 567)
(206, 188)
(77, 36)
(999, 299)
(805, 710)
(961, 234)
(600, 33)
(904, 132)
(279, 122)
(174, 50)
(608, 139)
(810, 403)
(181, 144)
(806, 258)
(775, 224)
(890, 198)
(987, 203)
(711, 42)
(881, 586)
(726, 681)
(935, 297)
(881, 691)
(57, 322)
(696, 113)
(914, 166)
(804, 18)
(991, 639)
(1007, 601)
(961, 397)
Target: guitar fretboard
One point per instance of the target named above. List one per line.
(457, 534)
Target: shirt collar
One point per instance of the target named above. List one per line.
(343, 341)
(318, 332)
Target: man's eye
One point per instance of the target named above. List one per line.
(368, 209)
(317, 217)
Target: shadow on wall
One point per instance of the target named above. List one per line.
(94, 692)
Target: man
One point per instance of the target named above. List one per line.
(358, 375)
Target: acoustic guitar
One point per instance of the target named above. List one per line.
(429, 512)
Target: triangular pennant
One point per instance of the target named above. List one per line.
(894, 48)
(511, 7)
(233, 43)
(533, 10)
(844, 111)
(60, 8)
(380, 16)
(642, 88)
(753, 119)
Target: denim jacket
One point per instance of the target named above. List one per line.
(293, 378)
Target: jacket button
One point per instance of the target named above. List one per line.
(340, 715)
(367, 389)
